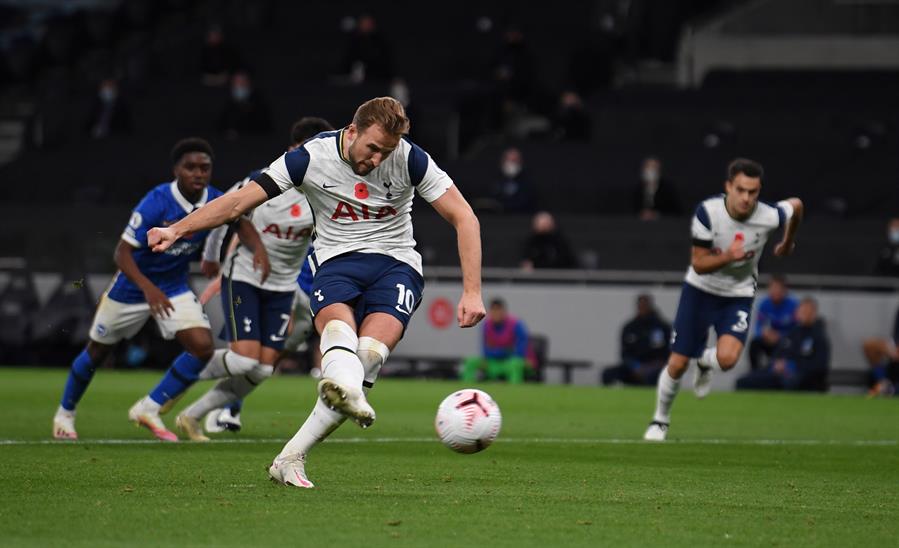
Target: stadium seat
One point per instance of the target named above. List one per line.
(17, 300)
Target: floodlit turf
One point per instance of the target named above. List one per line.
(567, 470)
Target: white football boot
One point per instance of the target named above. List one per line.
(350, 402)
(150, 420)
(64, 425)
(290, 471)
(657, 431)
(191, 427)
(212, 424)
(702, 381)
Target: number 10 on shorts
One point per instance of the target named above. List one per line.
(405, 300)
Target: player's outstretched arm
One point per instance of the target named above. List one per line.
(704, 260)
(222, 210)
(788, 242)
(457, 212)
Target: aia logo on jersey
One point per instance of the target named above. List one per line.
(361, 190)
(288, 234)
(347, 211)
(749, 254)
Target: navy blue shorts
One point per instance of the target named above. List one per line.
(255, 314)
(699, 310)
(368, 282)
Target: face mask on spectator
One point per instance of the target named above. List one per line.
(894, 236)
(511, 169)
(650, 175)
(108, 94)
(240, 93)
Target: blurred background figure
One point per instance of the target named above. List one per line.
(218, 58)
(504, 348)
(645, 345)
(547, 247)
(802, 358)
(888, 259)
(882, 355)
(655, 196)
(572, 122)
(513, 191)
(775, 317)
(369, 54)
(109, 114)
(246, 111)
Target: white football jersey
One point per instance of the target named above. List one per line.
(284, 225)
(363, 213)
(714, 228)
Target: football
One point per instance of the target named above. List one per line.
(468, 420)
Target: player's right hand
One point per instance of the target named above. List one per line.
(736, 251)
(160, 306)
(160, 238)
(470, 310)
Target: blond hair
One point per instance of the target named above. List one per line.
(387, 112)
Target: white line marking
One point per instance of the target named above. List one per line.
(579, 441)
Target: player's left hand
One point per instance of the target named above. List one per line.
(261, 264)
(160, 238)
(210, 269)
(470, 311)
(784, 248)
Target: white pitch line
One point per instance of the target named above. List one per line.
(579, 441)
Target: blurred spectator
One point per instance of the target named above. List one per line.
(217, 58)
(369, 55)
(504, 348)
(546, 247)
(888, 260)
(512, 192)
(883, 357)
(655, 196)
(246, 112)
(802, 358)
(645, 345)
(109, 114)
(775, 318)
(572, 120)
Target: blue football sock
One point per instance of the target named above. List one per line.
(183, 373)
(879, 372)
(79, 378)
(236, 407)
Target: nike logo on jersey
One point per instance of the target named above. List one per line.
(326, 185)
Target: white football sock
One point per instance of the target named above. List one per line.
(225, 363)
(148, 405)
(372, 353)
(709, 358)
(667, 391)
(320, 423)
(339, 360)
(229, 390)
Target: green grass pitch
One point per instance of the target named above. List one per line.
(567, 470)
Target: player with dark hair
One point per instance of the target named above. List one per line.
(368, 281)
(257, 307)
(729, 233)
(153, 284)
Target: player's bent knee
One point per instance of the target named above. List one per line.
(338, 333)
(237, 364)
(373, 354)
(260, 372)
(727, 360)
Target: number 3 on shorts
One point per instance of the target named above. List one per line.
(742, 321)
(405, 301)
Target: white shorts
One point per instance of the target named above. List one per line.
(115, 321)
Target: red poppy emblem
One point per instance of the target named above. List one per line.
(361, 191)
(295, 210)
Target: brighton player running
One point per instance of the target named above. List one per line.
(360, 182)
(729, 234)
(257, 310)
(151, 284)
